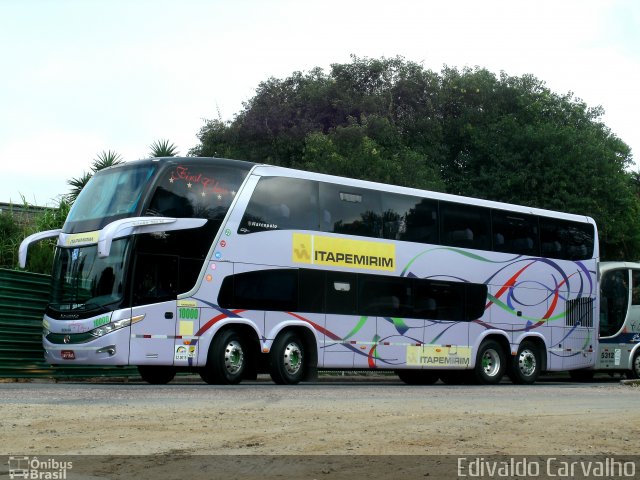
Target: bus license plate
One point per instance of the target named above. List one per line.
(68, 355)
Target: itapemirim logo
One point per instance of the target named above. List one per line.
(302, 254)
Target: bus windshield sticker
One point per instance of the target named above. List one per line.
(81, 238)
(341, 252)
(208, 184)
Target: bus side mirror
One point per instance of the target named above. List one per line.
(137, 225)
(36, 237)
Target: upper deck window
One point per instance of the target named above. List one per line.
(411, 219)
(350, 210)
(465, 226)
(280, 204)
(515, 233)
(284, 203)
(192, 190)
(566, 240)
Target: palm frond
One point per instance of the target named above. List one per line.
(106, 159)
(77, 184)
(163, 148)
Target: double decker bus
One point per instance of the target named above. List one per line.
(619, 331)
(230, 269)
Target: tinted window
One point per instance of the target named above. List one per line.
(311, 291)
(515, 233)
(188, 191)
(352, 211)
(566, 240)
(441, 300)
(273, 290)
(465, 226)
(384, 296)
(201, 191)
(341, 293)
(410, 219)
(475, 300)
(155, 279)
(288, 203)
(280, 203)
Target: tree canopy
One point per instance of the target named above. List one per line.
(468, 132)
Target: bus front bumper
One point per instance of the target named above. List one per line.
(111, 349)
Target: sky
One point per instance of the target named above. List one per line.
(78, 77)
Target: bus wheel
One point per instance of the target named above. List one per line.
(525, 366)
(490, 364)
(418, 377)
(635, 366)
(226, 360)
(287, 359)
(156, 374)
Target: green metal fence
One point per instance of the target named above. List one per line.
(23, 299)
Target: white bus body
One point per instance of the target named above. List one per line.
(300, 271)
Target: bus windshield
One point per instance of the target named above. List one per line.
(84, 282)
(111, 194)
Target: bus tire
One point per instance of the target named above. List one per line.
(635, 366)
(226, 360)
(287, 359)
(156, 374)
(525, 366)
(418, 377)
(490, 363)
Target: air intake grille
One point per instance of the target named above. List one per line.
(579, 312)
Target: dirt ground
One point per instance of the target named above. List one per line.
(370, 419)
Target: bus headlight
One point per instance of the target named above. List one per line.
(113, 326)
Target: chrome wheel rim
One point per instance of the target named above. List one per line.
(292, 358)
(490, 363)
(233, 357)
(527, 363)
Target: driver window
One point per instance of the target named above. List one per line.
(155, 279)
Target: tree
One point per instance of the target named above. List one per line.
(466, 132)
(11, 234)
(163, 148)
(511, 139)
(16, 225)
(104, 159)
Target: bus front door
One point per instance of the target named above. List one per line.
(614, 307)
(154, 293)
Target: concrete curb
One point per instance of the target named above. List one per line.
(633, 383)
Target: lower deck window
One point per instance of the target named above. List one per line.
(342, 293)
